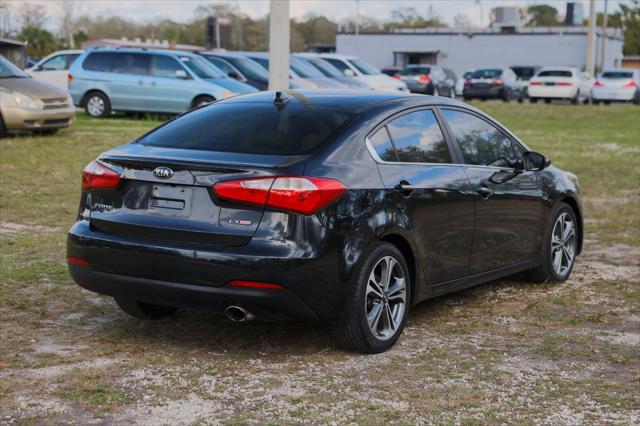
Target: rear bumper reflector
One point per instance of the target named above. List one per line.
(254, 284)
(78, 261)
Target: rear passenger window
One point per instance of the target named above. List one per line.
(99, 61)
(131, 63)
(382, 145)
(480, 142)
(418, 138)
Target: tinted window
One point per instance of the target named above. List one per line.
(70, 59)
(264, 62)
(338, 64)
(250, 69)
(524, 73)
(555, 73)
(225, 67)
(131, 63)
(325, 67)
(165, 66)
(418, 139)
(364, 67)
(251, 127)
(488, 73)
(57, 63)
(480, 142)
(99, 61)
(8, 70)
(617, 74)
(201, 67)
(382, 145)
(304, 70)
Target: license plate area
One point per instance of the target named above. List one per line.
(550, 83)
(167, 197)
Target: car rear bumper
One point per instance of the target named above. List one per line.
(21, 119)
(604, 94)
(198, 277)
(483, 92)
(553, 92)
(417, 87)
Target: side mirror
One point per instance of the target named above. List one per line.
(182, 74)
(535, 161)
(349, 73)
(234, 74)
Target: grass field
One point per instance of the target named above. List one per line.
(506, 352)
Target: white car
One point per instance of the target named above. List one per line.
(351, 66)
(53, 69)
(560, 83)
(460, 82)
(620, 85)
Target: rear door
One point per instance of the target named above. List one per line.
(509, 200)
(416, 162)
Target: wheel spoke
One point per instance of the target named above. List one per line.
(389, 318)
(373, 316)
(388, 272)
(373, 286)
(397, 291)
(557, 260)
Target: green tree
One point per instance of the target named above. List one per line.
(631, 25)
(40, 42)
(542, 15)
(408, 17)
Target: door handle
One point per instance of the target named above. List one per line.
(484, 192)
(405, 188)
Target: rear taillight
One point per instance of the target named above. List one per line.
(467, 82)
(535, 83)
(98, 176)
(69, 77)
(496, 82)
(565, 83)
(397, 76)
(598, 84)
(304, 195)
(424, 79)
(631, 84)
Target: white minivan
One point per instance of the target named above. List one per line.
(352, 66)
(54, 69)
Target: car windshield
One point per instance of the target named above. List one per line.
(251, 127)
(201, 67)
(488, 73)
(467, 75)
(304, 70)
(617, 75)
(415, 70)
(364, 67)
(249, 68)
(8, 70)
(325, 67)
(555, 73)
(524, 73)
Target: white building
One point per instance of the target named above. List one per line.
(464, 49)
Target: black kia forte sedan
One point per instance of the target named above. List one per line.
(331, 206)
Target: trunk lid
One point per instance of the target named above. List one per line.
(180, 208)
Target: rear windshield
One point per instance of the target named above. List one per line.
(617, 74)
(257, 128)
(555, 73)
(304, 70)
(415, 70)
(489, 73)
(364, 67)
(524, 73)
(325, 67)
(249, 68)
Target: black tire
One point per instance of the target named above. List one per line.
(607, 102)
(353, 331)
(143, 310)
(506, 96)
(202, 100)
(595, 102)
(467, 98)
(547, 101)
(98, 99)
(636, 98)
(533, 100)
(545, 271)
(3, 128)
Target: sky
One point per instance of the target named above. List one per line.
(183, 10)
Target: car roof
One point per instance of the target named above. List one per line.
(142, 50)
(336, 56)
(352, 100)
(223, 54)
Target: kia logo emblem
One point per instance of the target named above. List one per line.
(163, 172)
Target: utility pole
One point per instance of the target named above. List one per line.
(591, 35)
(603, 42)
(357, 17)
(279, 39)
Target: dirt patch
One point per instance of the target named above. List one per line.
(10, 228)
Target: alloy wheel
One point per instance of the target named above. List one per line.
(95, 106)
(563, 244)
(386, 298)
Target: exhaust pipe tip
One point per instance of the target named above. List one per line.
(238, 314)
